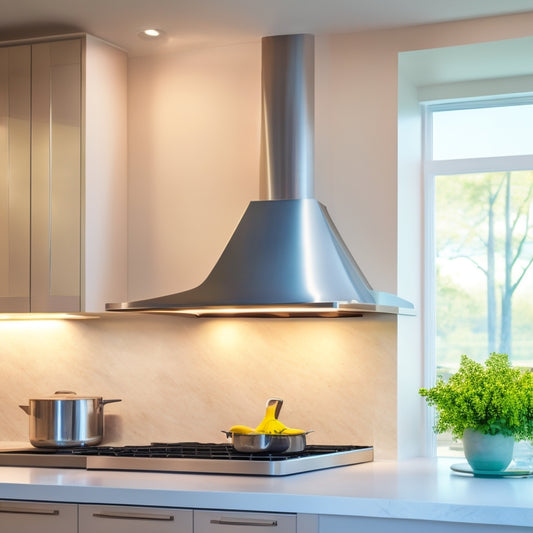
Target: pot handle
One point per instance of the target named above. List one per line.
(25, 408)
(109, 401)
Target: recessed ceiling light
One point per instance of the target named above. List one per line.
(151, 33)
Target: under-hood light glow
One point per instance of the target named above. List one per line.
(322, 310)
(261, 311)
(45, 316)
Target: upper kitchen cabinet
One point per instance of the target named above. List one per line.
(62, 175)
(15, 165)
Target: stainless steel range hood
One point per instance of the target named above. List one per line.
(286, 258)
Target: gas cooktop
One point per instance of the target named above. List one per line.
(190, 457)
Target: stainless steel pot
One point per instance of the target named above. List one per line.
(265, 443)
(66, 420)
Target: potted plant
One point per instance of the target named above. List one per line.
(488, 406)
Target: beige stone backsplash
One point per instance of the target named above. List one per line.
(186, 379)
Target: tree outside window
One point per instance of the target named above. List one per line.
(484, 254)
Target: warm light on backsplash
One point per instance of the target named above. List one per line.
(30, 326)
(229, 333)
(183, 379)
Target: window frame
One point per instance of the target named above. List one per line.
(430, 169)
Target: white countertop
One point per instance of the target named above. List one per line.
(413, 489)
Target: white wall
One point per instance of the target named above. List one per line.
(194, 130)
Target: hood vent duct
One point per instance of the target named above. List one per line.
(286, 258)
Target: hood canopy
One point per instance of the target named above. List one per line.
(286, 258)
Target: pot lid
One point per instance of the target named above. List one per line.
(66, 395)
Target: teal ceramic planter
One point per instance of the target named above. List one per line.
(487, 452)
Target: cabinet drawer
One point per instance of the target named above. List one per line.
(29, 517)
(227, 522)
(125, 519)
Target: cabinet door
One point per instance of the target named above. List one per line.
(227, 522)
(56, 176)
(29, 517)
(125, 519)
(355, 524)
(15, 100)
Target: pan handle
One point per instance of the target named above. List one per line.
(279, 404)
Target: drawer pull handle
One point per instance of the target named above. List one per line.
(234, 522)
(134, 516)
(16, 510)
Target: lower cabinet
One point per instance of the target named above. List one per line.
(227, 521)
(30, 517)
(122, 519)
(38, 517)
(354, 524)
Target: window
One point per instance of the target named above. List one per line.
(478, 158)
(482, 131)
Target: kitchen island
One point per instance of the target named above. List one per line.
(412, 490)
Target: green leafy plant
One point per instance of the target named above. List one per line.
(493, 398)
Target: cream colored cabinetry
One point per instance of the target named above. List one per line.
(354, 524)
(228, 521)
(62, 175)
(122, 519)
(55, 176)
(118, 519)
(29, 517)
(15, 165)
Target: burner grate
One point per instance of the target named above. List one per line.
(192, 450)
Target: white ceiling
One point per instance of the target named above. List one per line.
(199, 23)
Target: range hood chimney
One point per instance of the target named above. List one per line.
(286, 258)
